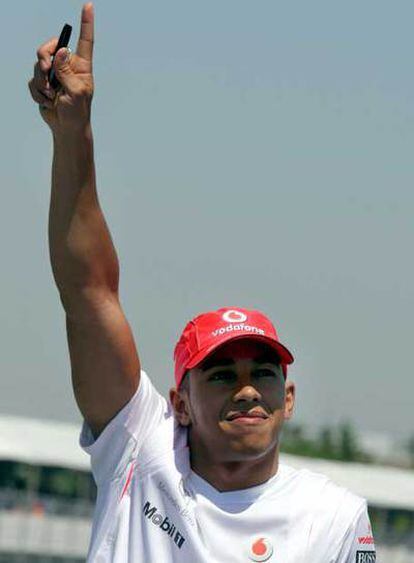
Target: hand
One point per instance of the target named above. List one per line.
(69, 108)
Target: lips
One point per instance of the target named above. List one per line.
(254, 413)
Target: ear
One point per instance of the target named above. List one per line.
(180, 403)
(290, 392)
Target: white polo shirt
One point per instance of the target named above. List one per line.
(151, 507)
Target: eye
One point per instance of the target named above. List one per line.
(264, 372)
(222, 375)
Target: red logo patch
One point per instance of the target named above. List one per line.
(260, 549)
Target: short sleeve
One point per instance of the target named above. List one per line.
(124, 435)
(358, 545)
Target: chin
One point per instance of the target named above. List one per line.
(249, 447)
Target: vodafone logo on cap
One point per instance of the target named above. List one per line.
(260, 549)
(233, 316)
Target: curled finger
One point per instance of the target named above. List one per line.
(45, 53)
(39, 97)
(40, 80)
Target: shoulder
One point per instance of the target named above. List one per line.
(326, 511)
(323, 495)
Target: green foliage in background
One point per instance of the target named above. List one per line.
(56, 481)
(330, 443)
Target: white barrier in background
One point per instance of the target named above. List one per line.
(69, 537)
(44, 534)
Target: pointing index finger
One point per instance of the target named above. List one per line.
(86, 36)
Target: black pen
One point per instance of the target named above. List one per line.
(63, 42)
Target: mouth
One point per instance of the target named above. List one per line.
(248, 420)
(255, 416)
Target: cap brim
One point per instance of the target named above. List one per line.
(283, 353)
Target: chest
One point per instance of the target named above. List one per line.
(159, 515)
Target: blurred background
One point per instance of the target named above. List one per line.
(248, 154)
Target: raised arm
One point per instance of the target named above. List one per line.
(104, 359)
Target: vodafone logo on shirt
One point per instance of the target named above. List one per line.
(366, 539)
(234, 317)
(260, 549)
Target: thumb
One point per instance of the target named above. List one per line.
(63, 70)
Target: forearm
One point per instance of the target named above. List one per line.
(82, 254)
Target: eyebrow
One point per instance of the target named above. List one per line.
(225, 362)
(213, 363)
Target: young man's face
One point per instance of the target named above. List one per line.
(240, 376)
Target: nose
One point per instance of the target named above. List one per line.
(247, 392)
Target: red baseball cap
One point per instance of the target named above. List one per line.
(206, 332)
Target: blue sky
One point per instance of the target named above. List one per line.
(248, 154)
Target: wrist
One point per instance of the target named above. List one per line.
(68, 137)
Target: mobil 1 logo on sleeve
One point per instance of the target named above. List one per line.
(365, 557)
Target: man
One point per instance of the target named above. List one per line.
(196, 478)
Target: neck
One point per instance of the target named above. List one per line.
(235, 475)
